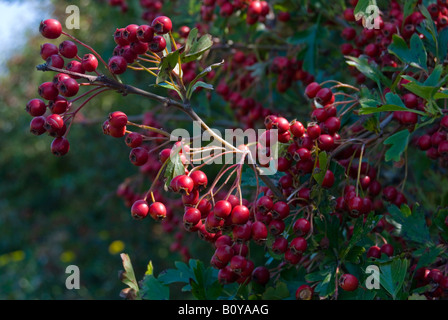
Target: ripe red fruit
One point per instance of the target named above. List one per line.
(157, 44)
(328, 180)
(301, 227)
(162, 25)
(47, 50)
(324, 96)
(130, 33)
(387, 249)
(280, 245)
(36, 107)
(138, 156)
(54, 122)
(259, 232)
(240, 214)
(298, 245)
(48, 91)
(355, 206)
(312, 89)
(374, 252)
(37, 125)
(184, 184)
(224, 253)
(325, 142)
(238, 264)
(50, 28)
(134, 140)
(60, 146)
(297, 129)
(261, 275)
(264, 204)
(118, 119)
(280, 210)
(68, 49)
(59, 106)
(348, 282)
(200, 179)
(68, 87)
(222, 209)
(292, 257)
(313, 131)
(145, 33)
(157, 211)
(89, 62)
(191, 217)
(444, 122)
(117, 65)
(304, 292)
(139, 209)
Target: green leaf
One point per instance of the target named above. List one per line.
(360, 230)
(393, 274)
(412, 227)
(429, 255)
(168, 64)
(193, 84)
(194, 48)
(183, 273)
(320, 172)
(370, 70)
(309, 37)
(415, 55)
(153, 289)
(128, 275)
(399, 143)
(278, 293)
(174, 168)
(442, 44)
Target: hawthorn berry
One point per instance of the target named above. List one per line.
(138, 156)
(60, 146)
(157, 44)
(36, 107)
(50, 28)
(304, 292)
(157, 211)
(117, 65)
(348, 282)
(89, 62)
(68, 87)
(37, 125)
(162, 25)
(68, 49)
(239, 215)
(139, 209)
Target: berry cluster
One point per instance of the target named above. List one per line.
(53, 111)
(435, 142)
(255, 10)
(288, 71)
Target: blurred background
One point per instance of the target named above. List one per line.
(56, 212)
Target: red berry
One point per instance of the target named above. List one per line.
(59, 106)
(312, 89)
(68, 87)
(157, 211)
(89, 62)
(302, 227)
(75, 66)
(374, 252)
(298, 245)
(68, 49)
(200, 179)
(145, 33)
(191, 217)
(261, 275)
(297, 129)
(348, 282)
(240, 214)
(134, 140)
(139, 209)
(157, 44)
(48, 91)
(313, 131)
(259, 232)
(60, 146)
(50, 28)
(280, 210)
(36, 107)
(118, 119)
(304, 292)
(387, 249)
(37, 125)
(47, 50)
(222, 209)
(162, 25)
(117, 65)
(138, 156)
(184, 184)
(130, 33)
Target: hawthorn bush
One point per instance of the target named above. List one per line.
(356, 130)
